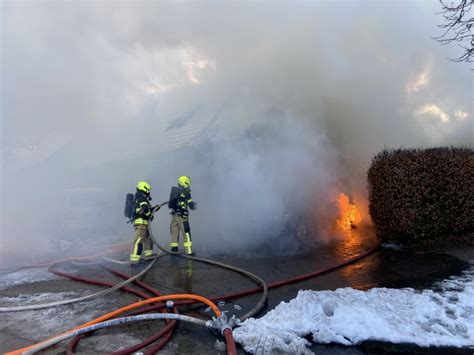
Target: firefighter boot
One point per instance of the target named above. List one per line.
(174, 247)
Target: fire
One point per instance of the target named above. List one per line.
(348, 213)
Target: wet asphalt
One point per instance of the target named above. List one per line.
(389, 266)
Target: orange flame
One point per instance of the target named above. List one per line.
(348, 213)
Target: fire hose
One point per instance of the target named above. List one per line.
(225, 325)
(99, 283)
(286, 281)
(80, 299)
(136, 292)
(49, 342)
(282, 282)
(260, 304)
(117, 321)
(271, 285)
(226, 329)
(166, 330)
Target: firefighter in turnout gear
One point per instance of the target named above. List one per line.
(179, 202)
(143, 214)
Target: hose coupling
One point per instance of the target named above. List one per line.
(169, 304)
(222, 323)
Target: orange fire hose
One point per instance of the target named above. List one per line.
(227, 333)
(127, 308)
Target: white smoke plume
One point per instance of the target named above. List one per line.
(271, 108)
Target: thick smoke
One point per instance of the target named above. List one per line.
(272, 109)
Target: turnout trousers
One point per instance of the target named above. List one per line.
(142, 243)
(180, 225)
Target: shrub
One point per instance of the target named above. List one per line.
(422, 196)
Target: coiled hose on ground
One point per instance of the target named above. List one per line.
(260, 304)
(51, 341)
(167, 330)
(227, 332)
(117, 321)
(271, 285)
(80, 299)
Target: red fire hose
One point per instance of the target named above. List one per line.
(99, 283)
(167, 330)
(257, 289)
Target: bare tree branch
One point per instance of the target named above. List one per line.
(457, 27)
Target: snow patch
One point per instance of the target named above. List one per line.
(51, 321)
(26, 276)
(443, 316)
(39, 297)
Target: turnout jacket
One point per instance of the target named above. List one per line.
(143, 209)
(183, 201)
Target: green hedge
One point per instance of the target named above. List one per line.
(422, 196)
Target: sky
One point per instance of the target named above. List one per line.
(296, 97)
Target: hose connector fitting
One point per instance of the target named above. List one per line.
(222, 323)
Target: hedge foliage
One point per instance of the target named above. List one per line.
(422, 196)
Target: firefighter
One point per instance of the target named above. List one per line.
(179, 201)
(143, 214)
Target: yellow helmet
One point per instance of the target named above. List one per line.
(144, 186)
(184, 181)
